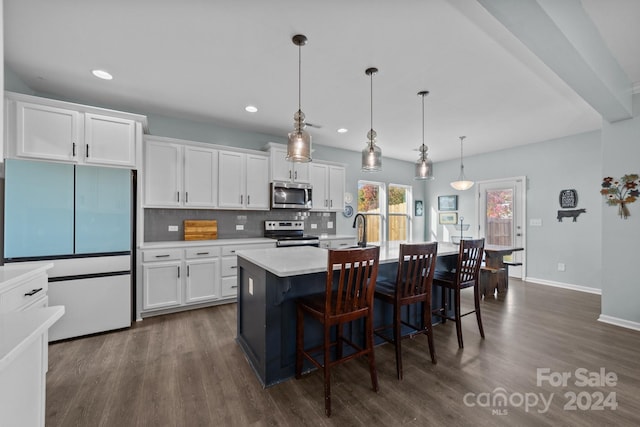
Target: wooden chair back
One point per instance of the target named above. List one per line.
(357, 273)
(416, 265)
(469, 261)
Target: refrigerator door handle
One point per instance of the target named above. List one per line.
(87, 151)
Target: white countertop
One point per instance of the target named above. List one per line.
(16, 273)
(18, 329)
(294, 261)
(195, 243)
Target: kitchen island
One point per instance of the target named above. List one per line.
(270, 280)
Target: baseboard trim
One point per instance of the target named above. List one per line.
(619, 322)
(579, 288)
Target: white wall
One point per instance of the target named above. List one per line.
(567, 163)
(621, 237)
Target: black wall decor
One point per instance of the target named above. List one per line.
(568, 198)
(573, 213)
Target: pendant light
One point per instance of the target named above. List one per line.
(462, 183)
(299, 144)
(371, 155)
(424, 166)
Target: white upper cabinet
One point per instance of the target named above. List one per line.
(40, 128)
(162, 174)
(328, 182)
(109, 140)
(178, 175)
(243, 181)
(44, 132)
(284, 170)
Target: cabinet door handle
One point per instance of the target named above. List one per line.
(295, 175)
(162, 256)
(233, 251)
(188, 271)
(234, 286)
(73, 149)
(178, 272)
(326, 203)
(234, 266)
(241, 199)
(248, 199)
(331, 203)
(186, 197)
(32, 292)
(178, 193)
(289, 173)
(202, 253)
(87, 150)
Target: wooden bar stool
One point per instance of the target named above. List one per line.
(346, 299)
(416, 266)
(466, 275)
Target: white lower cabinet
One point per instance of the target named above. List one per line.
(176, 278)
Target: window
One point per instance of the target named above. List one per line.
(371, 203)
(399, 212)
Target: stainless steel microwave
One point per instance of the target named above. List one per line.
(290, 195)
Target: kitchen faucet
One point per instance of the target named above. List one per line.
(363, 242)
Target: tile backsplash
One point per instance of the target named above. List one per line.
(157, 222)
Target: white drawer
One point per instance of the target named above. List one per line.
(202, 252)
(229, 266)
(161, 255)
(231, 249)
(24, 294)
(229, 287)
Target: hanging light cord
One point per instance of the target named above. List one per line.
(422, 148)
(371, 110)
(461, 165)
(299, 78)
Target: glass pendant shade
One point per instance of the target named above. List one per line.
(371, 154)
(371, 158)
(424, 168)
(462, 183)
(299, 142)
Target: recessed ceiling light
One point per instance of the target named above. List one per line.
(251, 109)
(101, 74)
(343, 130)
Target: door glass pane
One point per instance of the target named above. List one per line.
(499, 217)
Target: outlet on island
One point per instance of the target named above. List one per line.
(239, 227)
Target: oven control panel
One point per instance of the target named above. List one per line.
(283, 225)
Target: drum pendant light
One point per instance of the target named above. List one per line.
(462, 183)
(299, 143)
(424, 166)
(371, 154)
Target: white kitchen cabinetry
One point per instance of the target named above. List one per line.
(328, 182)
(284, 170)
(202, 282)
(178, 175)
(230, 265)
(337, 242)
(46, 129)
(162, 281)
(244, 181)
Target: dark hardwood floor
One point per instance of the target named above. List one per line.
(185, 369)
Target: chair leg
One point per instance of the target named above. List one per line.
(397, 339)
(371, 356)
(458, 317)
(426, 323)
(299, 341)
(476, 298)
(327, 370)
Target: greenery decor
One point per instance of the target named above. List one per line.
(621, 192)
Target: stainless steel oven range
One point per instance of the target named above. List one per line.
(289, 233)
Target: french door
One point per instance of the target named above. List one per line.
(502, 216)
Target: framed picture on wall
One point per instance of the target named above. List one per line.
(419, 208)
(448, 218)
(447, 203)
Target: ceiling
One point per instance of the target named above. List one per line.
(206, 60)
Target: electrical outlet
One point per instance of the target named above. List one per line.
(314, 226)
(239, 227)
(330, 224)
(535, 222)
(173, 228)
(561, 266)
(250, 286)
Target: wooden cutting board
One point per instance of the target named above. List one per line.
(200, 229)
